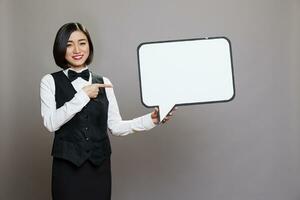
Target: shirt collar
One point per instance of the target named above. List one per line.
(66, 70)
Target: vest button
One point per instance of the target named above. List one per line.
(86, 128)
(87, 139)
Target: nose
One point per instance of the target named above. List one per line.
(76, 49)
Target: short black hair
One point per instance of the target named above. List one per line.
(61, 40)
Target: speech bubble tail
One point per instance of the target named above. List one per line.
(164, 110)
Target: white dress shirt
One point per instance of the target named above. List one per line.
(54, 118)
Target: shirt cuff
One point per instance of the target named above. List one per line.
(148, 122)
(82, 96)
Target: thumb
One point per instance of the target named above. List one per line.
(156, 110)
(155, 113)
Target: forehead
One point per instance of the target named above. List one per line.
(77, 35)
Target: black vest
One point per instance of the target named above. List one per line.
(84, 137)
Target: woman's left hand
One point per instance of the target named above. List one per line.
(155, 115)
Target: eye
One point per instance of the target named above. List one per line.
(82, 43)
(68, 45)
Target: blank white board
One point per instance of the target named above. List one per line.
(184, 72)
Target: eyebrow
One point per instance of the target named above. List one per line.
(80, 40)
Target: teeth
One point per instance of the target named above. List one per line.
(77, 57)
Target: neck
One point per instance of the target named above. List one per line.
(77, 68)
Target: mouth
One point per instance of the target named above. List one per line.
(77, 57)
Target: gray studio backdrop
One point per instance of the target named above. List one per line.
(247, 149)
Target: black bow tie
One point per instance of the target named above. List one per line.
(74, 75)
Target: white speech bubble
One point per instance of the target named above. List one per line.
(184, 72)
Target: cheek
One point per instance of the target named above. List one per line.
(87, 52)
(68, 52)
(87, 49)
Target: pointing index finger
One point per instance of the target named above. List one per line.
(99, 85)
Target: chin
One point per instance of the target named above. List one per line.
(78, 64)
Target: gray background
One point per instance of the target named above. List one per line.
(242, 150)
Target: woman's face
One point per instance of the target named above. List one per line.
(78, 49)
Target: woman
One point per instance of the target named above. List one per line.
(79, 106)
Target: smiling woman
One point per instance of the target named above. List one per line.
(77, 50)
(72, 39)
(79, 106)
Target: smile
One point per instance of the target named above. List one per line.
(77, 57)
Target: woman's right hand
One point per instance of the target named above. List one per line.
(93, 89)
(155, 115)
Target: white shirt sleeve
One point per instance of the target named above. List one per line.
(120, 127)
(54, 118)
